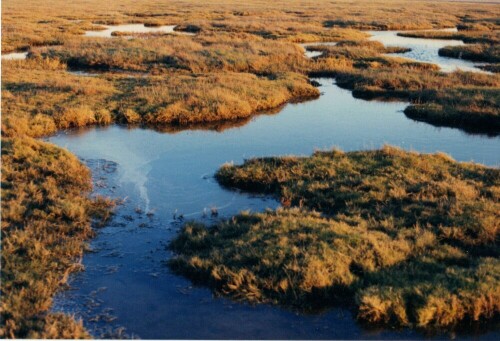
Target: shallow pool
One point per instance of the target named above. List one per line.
(131, 28)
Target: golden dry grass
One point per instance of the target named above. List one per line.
(240, 61)
(411, 239)
(46, 219)
(31, 23)
(38, 100)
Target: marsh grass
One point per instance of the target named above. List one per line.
(409, 239)
(41, 97)
(465, 100)
(211, 52)
(476, 52)
(46, 218)
(241, 60)
(184, 100)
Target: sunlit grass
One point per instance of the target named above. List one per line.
(410, 239)
(242, 60)
(46, 219)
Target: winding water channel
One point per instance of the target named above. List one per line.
(166, 174)
(426, 50)
(128, 291)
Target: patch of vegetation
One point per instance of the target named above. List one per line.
(48, 98)
(183, 100)
(359, 50)
(477, 52)
(46, 218)
(460, 99)
(494, 68)
(39, 97)
(410, 238)
(475, 110)
(470, 24)
(161, 54)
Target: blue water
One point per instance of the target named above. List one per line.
(426, 50)
(126, 282)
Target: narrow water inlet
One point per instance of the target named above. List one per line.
(426, 50)
(312, 54)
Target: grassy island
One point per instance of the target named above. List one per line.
(408, 239)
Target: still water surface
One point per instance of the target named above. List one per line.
(126, 282)
(131, 28)
(426, 50)
(14, 56)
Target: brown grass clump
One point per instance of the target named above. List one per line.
(476, 52)
(354, 183)
(39, 97)
(473, 109)
(213, 97)
(411, 239)
(357, 50)
(45, 222)
(214, 52)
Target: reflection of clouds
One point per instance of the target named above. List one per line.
(139, 177)
(135, 164)
(133, 157)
